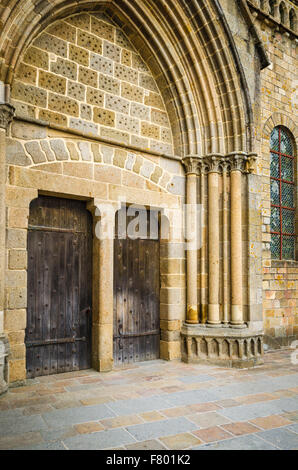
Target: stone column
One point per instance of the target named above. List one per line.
(266, 7)
(225, 210)
(103, 295)
(286, 21)
(213, 239)
(204, 254)
(236, 242)
(191, 164)
(6, 116)
(222, 340)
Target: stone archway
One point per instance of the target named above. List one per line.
(190, 88)
(187, 41)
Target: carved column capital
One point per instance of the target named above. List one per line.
(192, 164)
(213, 163)
(225, 165)
(238, 162)
(218, 163)
(251, 162)
(6, 115)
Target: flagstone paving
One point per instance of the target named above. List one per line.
(157, 405)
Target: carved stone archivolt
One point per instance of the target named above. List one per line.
(218, 163)
(6, 115)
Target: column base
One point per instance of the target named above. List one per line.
(192, 315)
(4, 351)
(227, 347)
(103, 365)
(238, 326)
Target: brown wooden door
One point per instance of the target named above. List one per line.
(58, 333)
(136, 298)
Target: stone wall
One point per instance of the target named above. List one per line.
(83, 73)
(274, 102)
(280, 303)
(90, 123)
(278, 103)
(99, 116)
(244, 43)
(246, 38)
(131, 177)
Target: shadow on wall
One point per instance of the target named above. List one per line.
(277, 343)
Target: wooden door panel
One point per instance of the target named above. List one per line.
(136, 300)
(58, 333)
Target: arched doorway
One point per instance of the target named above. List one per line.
(58, 333)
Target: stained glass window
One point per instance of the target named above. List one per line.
(282, 185)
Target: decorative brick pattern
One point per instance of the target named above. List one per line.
(87, 60)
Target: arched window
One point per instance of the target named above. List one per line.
(272, 7)
(282, 179)
(292, 19)
(282, 13)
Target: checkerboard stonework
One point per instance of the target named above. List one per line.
(163, 107)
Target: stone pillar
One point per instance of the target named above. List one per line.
(225, 210)
(236, 243)
(191, 164)
(103, 295)
(6, 116)
(255, 275)
(228, 340)
(266, 7)
(204, 254)
(286, 21)
(213, 246)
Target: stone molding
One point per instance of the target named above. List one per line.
(273, 15)
(218, 163)
(6, 115)
(229, 347)
(279, 119)
(43, 152)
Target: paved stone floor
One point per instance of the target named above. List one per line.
(157, 405)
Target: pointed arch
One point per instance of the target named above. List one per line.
(293, 19)
(186, 48)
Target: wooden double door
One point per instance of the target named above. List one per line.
(136, 333)
(58, 333)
